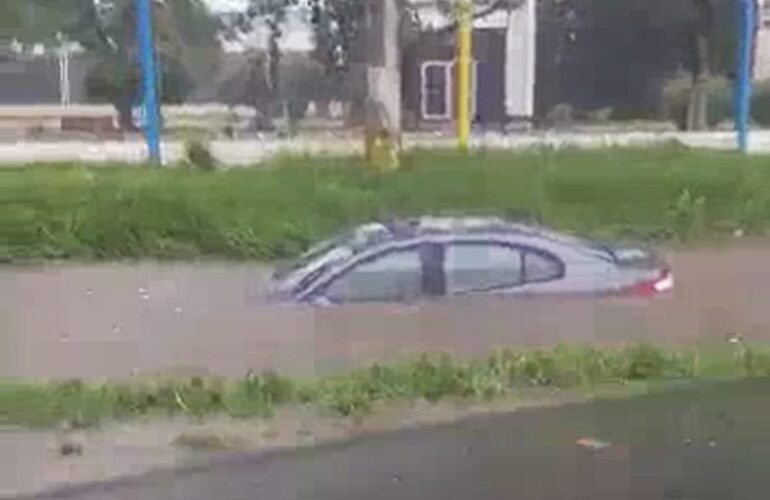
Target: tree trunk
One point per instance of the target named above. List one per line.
(383, 74)
(697, 109)
(125, 115)
(358, 91)
(272, 73)
(356, 74)
(257, 93)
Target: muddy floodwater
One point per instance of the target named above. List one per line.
(117, 320)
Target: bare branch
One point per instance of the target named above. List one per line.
(486, 11)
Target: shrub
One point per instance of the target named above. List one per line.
(760, 103)
(433, 380)
(429, 377)
(272, 213)
(643, 362)
(676, 98)
(688, 216)
(346, 396)
(198, 155)
(258, 394)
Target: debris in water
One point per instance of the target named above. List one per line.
(71, 442)
(69, 448)
(593, 444)
(687, 442)
(178, 310)
(115, 328)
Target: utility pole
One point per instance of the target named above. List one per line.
(144, 41)
(746, 21)
(463, 71)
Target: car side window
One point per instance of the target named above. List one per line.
(391, 277)
(541, 267)
(474, 267)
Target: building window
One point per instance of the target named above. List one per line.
(437, 95)
(436, 90)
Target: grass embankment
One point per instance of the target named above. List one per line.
(428, 378)
(266, 213)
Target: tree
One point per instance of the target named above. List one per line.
(37, 20)
(273, 14)
(249, 86)
(700, 46)
(337, 27)
(712, 52)
(620, 54)
(186, 48)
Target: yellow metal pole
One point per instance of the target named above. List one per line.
(463, 73)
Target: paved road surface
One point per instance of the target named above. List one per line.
(707, 443)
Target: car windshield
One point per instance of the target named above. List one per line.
(315, 252)
(349, 241)
(320, 249)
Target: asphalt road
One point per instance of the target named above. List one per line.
(711, 442)
(116, 320)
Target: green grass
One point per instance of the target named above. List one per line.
(71, 211)
(430, 378)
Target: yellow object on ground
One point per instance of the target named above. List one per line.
(384, 153)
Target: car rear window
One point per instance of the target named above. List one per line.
(539, 267)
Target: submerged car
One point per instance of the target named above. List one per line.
(407, 260)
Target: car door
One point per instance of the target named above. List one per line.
(481, 266)
(478, 266)
(394, 275)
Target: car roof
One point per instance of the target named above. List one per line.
(401, 229)
(377, 235)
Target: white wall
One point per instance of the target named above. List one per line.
(520, 55)
(250, 152)
(762, 54)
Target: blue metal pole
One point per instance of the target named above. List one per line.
(144, 42)
(743, 72)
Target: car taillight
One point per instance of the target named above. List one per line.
(665, 283)
(647, 288)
